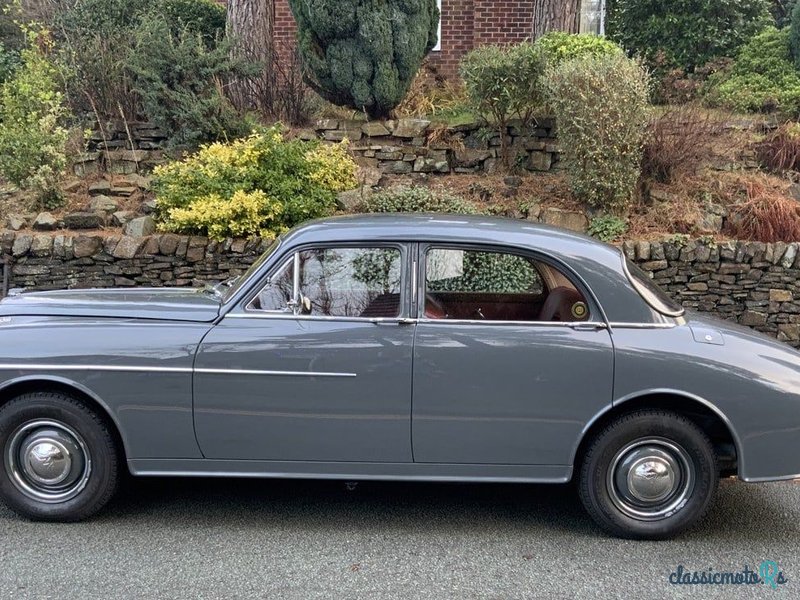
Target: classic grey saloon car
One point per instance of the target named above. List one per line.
(438, 348)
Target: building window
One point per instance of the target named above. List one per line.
(593, 16)
(438, 45)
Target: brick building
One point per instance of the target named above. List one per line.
(465, 24)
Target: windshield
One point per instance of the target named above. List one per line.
(231, 287)
(652, 294)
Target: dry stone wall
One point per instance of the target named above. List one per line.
(752, 283)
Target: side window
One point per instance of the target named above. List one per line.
(338, 282)
(498, 286)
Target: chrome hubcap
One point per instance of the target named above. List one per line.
(47, 461)
(650, 479)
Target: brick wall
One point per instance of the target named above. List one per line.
(285, 30)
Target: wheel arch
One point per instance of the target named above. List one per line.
(705, 414)
(51, 383)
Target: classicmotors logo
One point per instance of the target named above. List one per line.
(767, 574)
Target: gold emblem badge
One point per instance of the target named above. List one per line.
(579, 310)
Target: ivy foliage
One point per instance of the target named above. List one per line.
(418, 199)
(364, 53)
(686, 33)
(762, 79)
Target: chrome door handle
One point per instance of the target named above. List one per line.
(588, 326)
(407, 321)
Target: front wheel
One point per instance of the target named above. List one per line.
(59, 461)
(648, 475)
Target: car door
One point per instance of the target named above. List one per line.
(315, 365)
(511, 359)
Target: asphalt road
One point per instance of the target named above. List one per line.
(166, 538)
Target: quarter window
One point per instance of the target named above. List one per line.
(497, 286)
(337, 282)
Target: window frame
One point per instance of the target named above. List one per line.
(596, 320)
(246, 309)
(438, 46)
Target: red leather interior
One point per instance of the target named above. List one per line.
(559, 303)
(557, 306)
(385, 306)
(476, 307)
(434, 309)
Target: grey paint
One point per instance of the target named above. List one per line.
(333, 398)
(143, 303)
(497, 394)
(296, 418)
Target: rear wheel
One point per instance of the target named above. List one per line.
(648, 475)
(59, 460)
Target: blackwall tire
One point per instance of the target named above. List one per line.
(59, 461)
(650, 474)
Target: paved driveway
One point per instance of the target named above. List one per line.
(293, 539)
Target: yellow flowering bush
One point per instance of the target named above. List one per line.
(333, 167)
(243, 215)
(299, 181)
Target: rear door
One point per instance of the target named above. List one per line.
(511, 359)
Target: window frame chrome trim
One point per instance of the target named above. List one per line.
(620, 325)
(404, 248)
(636, 286)
(581, 325)
(566, 270)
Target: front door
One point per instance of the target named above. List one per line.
(315, 366)
(510, 360)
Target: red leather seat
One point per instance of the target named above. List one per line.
(559, 303)
(434, 309)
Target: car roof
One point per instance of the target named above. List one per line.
(599, 265)
(420, 226)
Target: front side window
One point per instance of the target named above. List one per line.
(337, 282)
(497, 286)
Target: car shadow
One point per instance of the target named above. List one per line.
(397, 508)
(451, 507)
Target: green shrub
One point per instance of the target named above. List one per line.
(557, 47)
(794, 35)
(203, 17)
(259, 185)
(686, 33)
(502, 82)
(608, 228)
(762, 79)
(601, 107)
(9, 61)
(365, 54)
(178, 79)
(783, 12)
(418, 199)
(159, 60)
(32, 136)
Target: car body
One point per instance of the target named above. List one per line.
(416, 351)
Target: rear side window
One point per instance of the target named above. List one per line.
(488, 285)
(650, 292)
